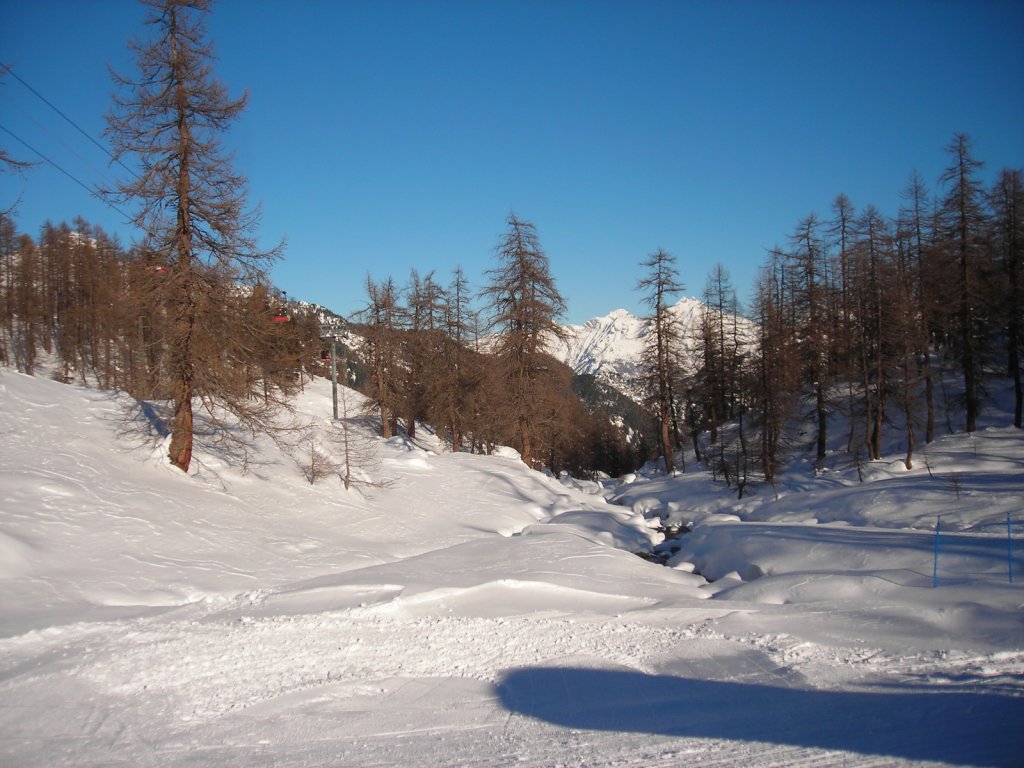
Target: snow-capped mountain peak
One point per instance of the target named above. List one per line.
(611, 347)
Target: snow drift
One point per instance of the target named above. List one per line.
(472, 612)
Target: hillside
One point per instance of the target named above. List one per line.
(463, 610)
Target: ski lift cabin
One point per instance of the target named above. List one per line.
(281, 314)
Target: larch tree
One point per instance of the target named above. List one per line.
(170, 118)
(807, 264)
(423, 329)
(383, 351)
(8, 255)
(872, 301)
(722, 372)
(1008, 206)
(661, 352)
(524, 306)
(778, 376)
(904, 333)
(963, 219)
(915, 223)
(451, 390)
(843, 232)
(9, 164)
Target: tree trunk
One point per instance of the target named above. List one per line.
(666, 444)
(524, 439)
(180, 451)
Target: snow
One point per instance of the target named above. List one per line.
(611, 347)
(465, 611)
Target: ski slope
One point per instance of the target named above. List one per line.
(465, 611)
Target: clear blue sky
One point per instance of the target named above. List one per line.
(382, 136)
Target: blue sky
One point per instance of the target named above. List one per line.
(384, 136)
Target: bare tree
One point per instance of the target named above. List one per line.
(778, 377)
(1008, 201)
(450, 391)
(383, 351)
(873, 302)
(662, 347)
(964, 225)
(721, 377)
(524, 305)
(843, 233)
(810, 304)
(422, 341)
(170, 118)
(8, 163)
(914, 220)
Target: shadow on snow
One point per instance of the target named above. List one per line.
(951, 726)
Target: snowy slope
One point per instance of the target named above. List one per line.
(471, 612)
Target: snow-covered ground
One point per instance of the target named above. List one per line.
(467, 611)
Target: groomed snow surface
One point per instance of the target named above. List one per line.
(465, 611)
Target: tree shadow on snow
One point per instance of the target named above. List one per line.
(956, 726)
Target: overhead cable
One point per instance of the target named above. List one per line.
(68, 147)
(80, 183)
(77, 127)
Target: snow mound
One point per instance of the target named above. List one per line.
(458, 609)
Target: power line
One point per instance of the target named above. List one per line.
(82, 184)
(68, 147)
(77, 127)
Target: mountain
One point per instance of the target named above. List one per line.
(611, 347)
(331, 322)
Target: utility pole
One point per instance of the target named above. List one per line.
(334, 374)
(331, 333)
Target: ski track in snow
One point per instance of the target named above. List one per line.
(384, 683)
(474, 613)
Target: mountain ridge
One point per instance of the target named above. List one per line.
(611, 347)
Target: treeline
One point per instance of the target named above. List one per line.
(102, 313)
(857, 323)
(483, 377)
(858, 315)
(187, 317)
(75, 302)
